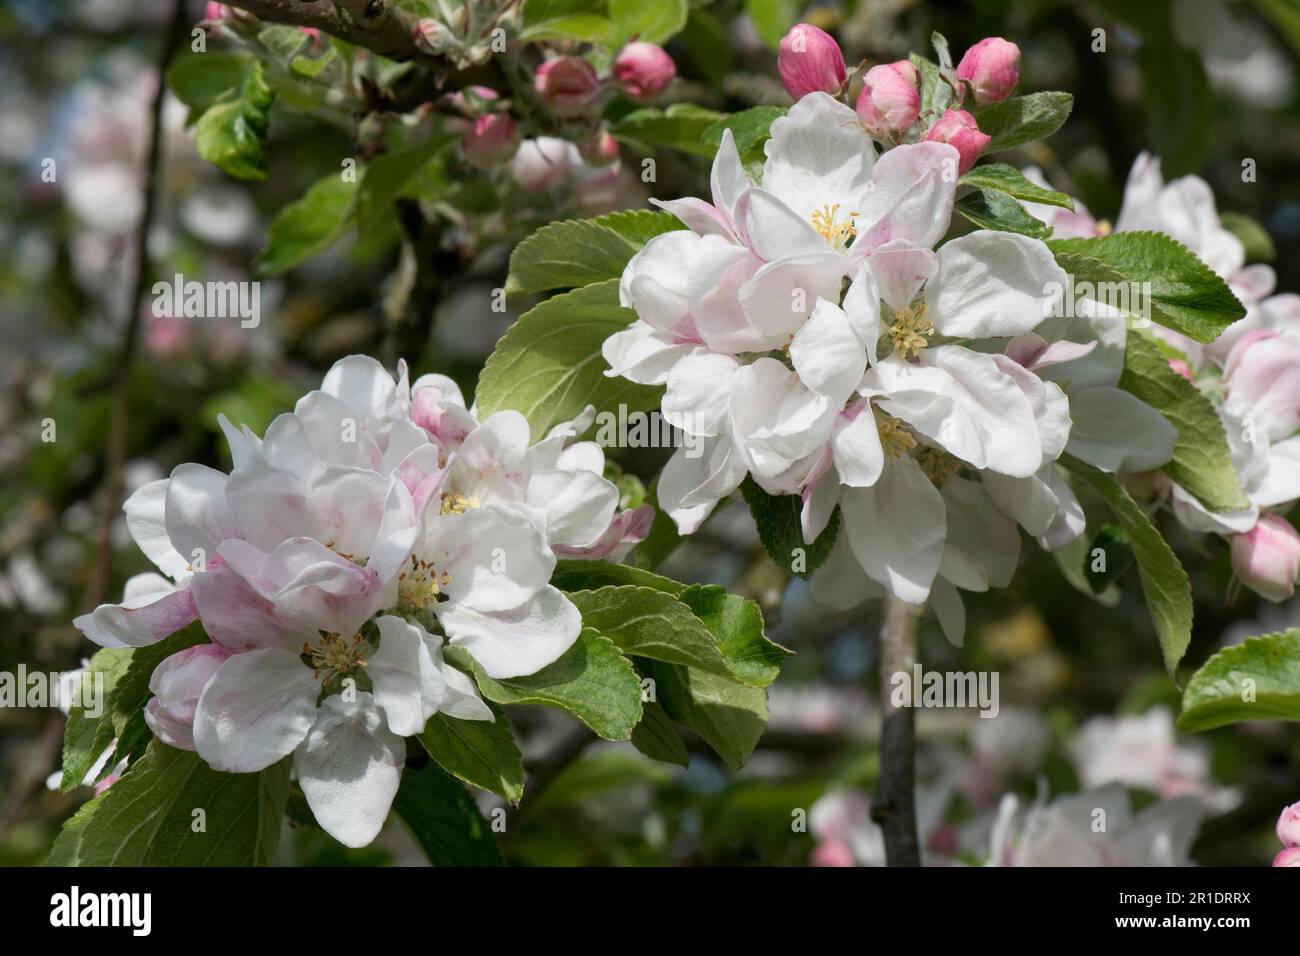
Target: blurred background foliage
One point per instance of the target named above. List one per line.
(1207, 85)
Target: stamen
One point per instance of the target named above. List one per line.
(937, 464)
(910, 331)
(455, 503)
(894, 438)
(420, 586)
(837, 234)
(334, 655)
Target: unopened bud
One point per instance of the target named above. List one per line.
(889, 102)
(958, 129)
(810, 61)
(992, 68)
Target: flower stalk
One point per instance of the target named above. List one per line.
(894, 806)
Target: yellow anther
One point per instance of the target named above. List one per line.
(838, 234)
(334, 654)
(894, 438)
(910, 331)
(455, 503)
(420, 585)
(937, 464)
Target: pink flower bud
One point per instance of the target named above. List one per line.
(430, 36)
(992, 68)
(1288, 857)
(958, 129)
(832, 853)
(644, 70)
(216, 11)
(1262, 375)
(889, 102)
(568, 85)
(1182, 368)
(599, 149)
(810, 61)
(1288, 826)
(543, 163)
(492, 139)
(177, 683)
(1267, 558)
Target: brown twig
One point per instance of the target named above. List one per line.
(377, 25)
(119, 379)
(894, 807)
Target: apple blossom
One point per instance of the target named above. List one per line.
(492, 138)
(889, 102)
(644, 70)
(568, 85)
(810, 61)
(1267, 557)
(1288, 826)
(991, 68)
(1288, 857)
(960, 130)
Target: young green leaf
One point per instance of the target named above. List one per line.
(148, 818)
(994, 209)
(85, 738)
(639, 226)
(650, 22)
(1258, 243)
(648, 623)
(568, 255)
(576, 575)
(1023, 119)
(384, 179)
(200, 80)
(750, 129)
(308, 226)
(1164, 582)
(482, 753)
(1009, 180)
(737, 625)
(658, 738)
(1258, 679)
(549, 365)
(680, 126)
(779, 528)
(936, 93)
(231, 134)
(729, 716)
(1184, 294)
(593, 681)
(581, 20)
(1202, 463)
(444, 819)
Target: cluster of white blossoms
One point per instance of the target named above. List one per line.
(370, 525)
(812, 337)
(1251, 372)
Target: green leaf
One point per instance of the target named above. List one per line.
(681, 127)
(1009, 180)
(1185, 294)
(1071, 560)
(308, 226)
(1115, 558)
(147, 817)
(994, 209)
(772, 19)
(750, 128)
(708, 45)
(1023, 119)
(387, 176)
(662, 540)
(1258, 243)
(1179, 106)
(1164, 582)
(1202, 463)
(650, 22)
(482, 753)
(1258, 679)
(737, 625)
(649, 623)
(444, 819)
(593, 681)
(232, 133)
(657, 737)
(565, 20)
(729, 716)
(86, 737)
(568, 255)
(549, 366)
(936, 93)
(779, 528)
(201, 80)
(639, 226)
(575, 575)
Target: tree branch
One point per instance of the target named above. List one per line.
(377, 25)
(894, 807)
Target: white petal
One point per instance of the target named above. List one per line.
(773, 230)
(859, 457)
(518, 641)
(840, 582)
(146, 519)
(255, 710)
(698, 389)
(948, 607)
(818, 155)
(827, 353)
(695, 478)
(579, 505)
(363, 384)
(407, 686)
(642, 355)
(727, 179)
(495, 557)
(983, 544)
(991, 284)
(1118, 432)
(350, 767)
(896, 529)
(198, 517)
(900, 269)
(862, 307)
(781, 295)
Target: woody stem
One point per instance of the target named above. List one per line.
(894, 806)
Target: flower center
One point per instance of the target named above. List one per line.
(420, 585)
(334, 655)
(826, 222)
(455, 503)
(937, 464)
(894, 438)
(910, 331)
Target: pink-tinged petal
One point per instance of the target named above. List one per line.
(255, 710)
(492, 460)
(517, 641)
(828, 355)
(900, 269)
(721, 270)
(1262, 375)
(153, 609)
(350, 766)
(820, 495)
(1049, 402)
(578, 505)
(177, 683)
(727, 178)
(625, 531)
(396, 535)
(700, 217)
(911, 197)
(1267, 558)
(422, 475)
(896, 529)
(858, 455)
(1288, 857)
(642, 355)
(237, 617)
(272, 506)
(819, 156)
(781, 295)
(1034, 352)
